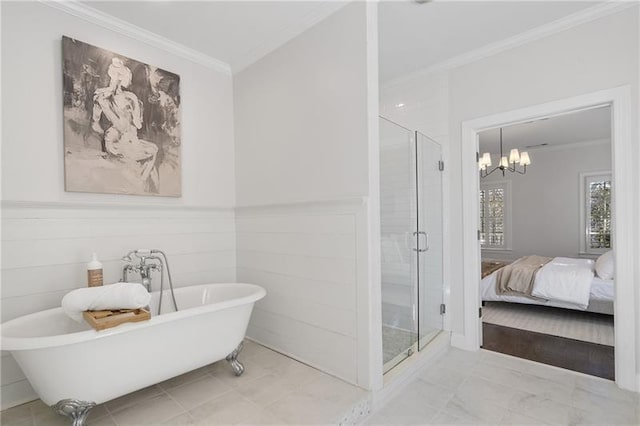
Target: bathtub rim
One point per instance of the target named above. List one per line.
(11, 343)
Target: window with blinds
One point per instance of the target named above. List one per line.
(597, 212)
(494, 215)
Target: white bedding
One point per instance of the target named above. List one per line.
(565, 280)
(599, 289)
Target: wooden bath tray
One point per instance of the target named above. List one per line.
(101, 320)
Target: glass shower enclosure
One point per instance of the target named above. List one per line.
(411, 241)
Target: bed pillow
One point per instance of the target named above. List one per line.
(604, 266)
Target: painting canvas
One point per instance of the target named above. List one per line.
(121, 124)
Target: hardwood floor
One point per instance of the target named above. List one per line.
(585, 357)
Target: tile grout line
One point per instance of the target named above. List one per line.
(133, 403)
(184, 410)
(159, 391)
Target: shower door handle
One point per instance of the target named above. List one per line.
(426, 241)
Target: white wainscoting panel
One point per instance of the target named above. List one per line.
(306, 256)
(45, 248)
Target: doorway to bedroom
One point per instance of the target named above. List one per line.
(545, 222)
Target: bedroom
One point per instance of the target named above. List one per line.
(547, 284)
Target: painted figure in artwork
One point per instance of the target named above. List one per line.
(121, 124)
(124, 112)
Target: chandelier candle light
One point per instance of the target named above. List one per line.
(515, 157)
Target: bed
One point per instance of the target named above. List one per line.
(600, 291)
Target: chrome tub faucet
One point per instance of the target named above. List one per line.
(149, 260)
(147, 264)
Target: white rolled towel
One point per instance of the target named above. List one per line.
(111, 296)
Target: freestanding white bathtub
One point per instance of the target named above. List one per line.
(70, 362)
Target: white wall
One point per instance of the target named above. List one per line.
(32, 114)
(573, 62)
(596, 55)
(307, 258)
(48, 234)
(545, 203)
(426, 104)
(302, 136)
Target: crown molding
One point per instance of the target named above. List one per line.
(570, 21)
(89, 14)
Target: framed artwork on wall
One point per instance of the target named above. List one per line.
(121, 124)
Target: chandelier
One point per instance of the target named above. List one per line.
(505, 164)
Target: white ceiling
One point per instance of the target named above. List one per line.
(414, 36)
(577, 127)
(236, 32)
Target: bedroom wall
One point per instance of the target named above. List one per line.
(48, 234)
(545, 203)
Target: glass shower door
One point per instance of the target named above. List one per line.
(398, 217)
(430, 227)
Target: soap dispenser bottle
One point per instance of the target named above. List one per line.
(94, 272)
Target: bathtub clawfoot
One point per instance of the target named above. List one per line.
(238, 368)
(75, 409)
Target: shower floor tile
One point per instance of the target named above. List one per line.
(395, 341)
(274, 389)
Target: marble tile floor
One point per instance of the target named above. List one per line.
(274, 389)
(461, 388)
(490, 388)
